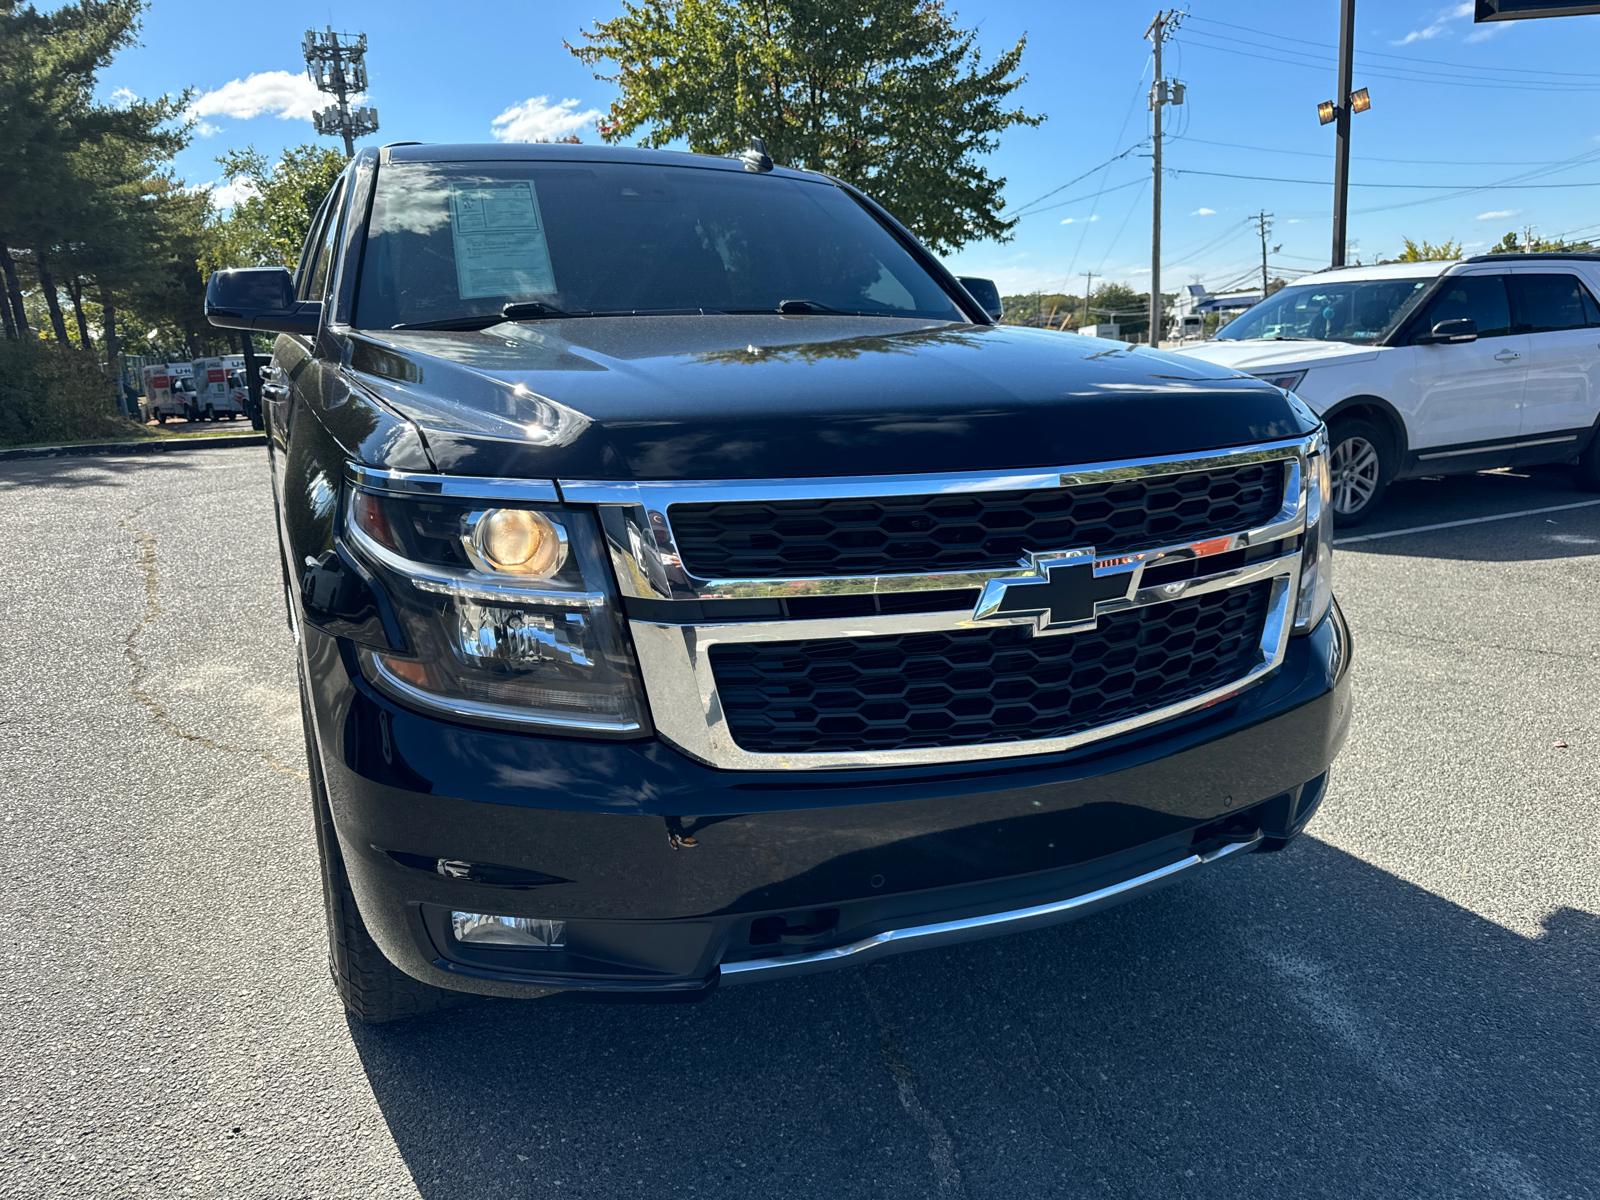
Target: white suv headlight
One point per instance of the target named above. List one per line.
(1287, 380)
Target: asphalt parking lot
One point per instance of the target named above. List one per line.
(1405, 1004)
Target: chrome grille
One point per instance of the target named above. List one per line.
(970, 531)
(760, 651)
(969, 687)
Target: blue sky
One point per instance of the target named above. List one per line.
(1455, 106)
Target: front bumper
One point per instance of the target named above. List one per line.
(672, 875)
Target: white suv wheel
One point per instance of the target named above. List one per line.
(1357, 473)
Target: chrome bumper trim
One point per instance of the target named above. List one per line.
(945, 933)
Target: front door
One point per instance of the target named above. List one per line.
(1463, 402)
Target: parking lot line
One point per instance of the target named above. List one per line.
(1527, 512)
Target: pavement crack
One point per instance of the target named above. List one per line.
(145, 545)
(941, 1150)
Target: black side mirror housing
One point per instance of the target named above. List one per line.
(1451, 333)
(986, 294)
(259, 298)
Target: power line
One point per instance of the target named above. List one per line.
(1401, 75)
(1418, 162)
(1283, 37)
(1114, 158)
(1446, 187)
(1086, 196)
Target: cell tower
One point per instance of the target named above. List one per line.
(340, 69)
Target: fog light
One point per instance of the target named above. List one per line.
(487, 929)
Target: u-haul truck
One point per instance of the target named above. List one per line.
(161, 399)
(213, 398)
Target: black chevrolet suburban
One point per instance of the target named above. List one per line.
(693, 583)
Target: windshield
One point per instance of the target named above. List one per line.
(453, 241)
(1361, 311)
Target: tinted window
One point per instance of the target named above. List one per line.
(325, 252)
(458, 240)
(1480, 298)
(1360, 311)
(1549, 302)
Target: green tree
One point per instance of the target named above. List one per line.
(268, 227)
(891, 97)
(1426, 251)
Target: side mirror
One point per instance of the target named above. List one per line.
(259, 298)
(1451, 333)
(986, 294)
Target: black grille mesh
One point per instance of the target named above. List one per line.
(970, 686)
(972, 531)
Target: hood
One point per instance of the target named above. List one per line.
(730, 397)
(1254, 355)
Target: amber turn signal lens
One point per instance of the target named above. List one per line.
(519, 542)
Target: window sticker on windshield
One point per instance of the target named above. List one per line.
(499, 240)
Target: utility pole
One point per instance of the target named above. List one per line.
(1088, 278)
(1162, 92)
(1263, 220)
(1341, 129)
(341, 71)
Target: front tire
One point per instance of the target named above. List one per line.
(1361, 463)
(372, 988)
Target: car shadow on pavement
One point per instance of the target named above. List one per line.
(1570, 533)
(102, 470)
(1302, 1024)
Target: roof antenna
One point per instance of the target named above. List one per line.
(755, 157)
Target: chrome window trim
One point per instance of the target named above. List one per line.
(638, 528)
(686, 708)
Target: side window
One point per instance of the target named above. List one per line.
(307, 264)
(1480, 298)
(1546, 303)
(326, 252)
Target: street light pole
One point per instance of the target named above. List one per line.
(1341, 154)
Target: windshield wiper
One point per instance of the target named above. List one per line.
(534, 311)
(801, 307)
(530, 310)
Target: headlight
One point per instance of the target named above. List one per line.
(1316, 559)
(1288, 380)
(507, 613)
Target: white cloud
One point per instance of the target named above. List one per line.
(1439, 25)
(536, 119)
(1499, 214)
(286, 96)
(1077, 220)
(1204, 212)
(123, 97)
(226, 195)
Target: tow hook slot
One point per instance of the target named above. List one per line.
(794, 929)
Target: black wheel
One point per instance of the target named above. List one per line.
(1361, 463)
(373, 989)
(1587, 475)
(161, 418)
(210, 414)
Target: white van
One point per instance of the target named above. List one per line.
(1434, 368)
(213, 398)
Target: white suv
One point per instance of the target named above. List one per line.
(1434, 368)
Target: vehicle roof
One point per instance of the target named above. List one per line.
(442, 152)
(1399, 270)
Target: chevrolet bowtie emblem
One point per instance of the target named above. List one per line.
(1063, 592)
